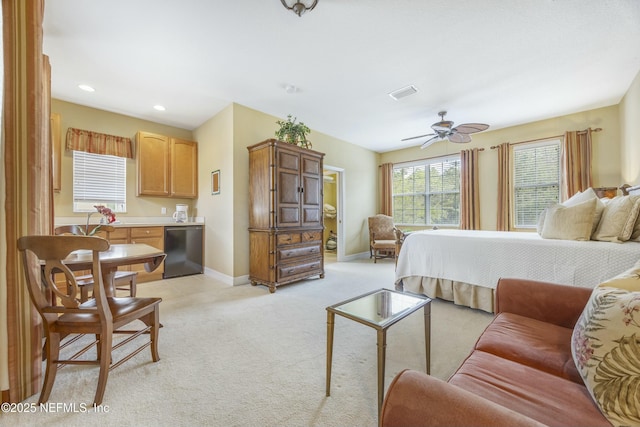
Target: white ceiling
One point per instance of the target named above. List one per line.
(500, 62)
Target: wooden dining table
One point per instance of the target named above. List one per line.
(118, 255)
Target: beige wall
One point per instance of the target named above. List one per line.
(215, 139)
(81, 117)
(630, 133)
(606, 152)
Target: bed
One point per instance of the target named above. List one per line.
(464, 266)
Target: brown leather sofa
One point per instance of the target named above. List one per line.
(519, 373)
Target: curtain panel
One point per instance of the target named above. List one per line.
(386, 189)
(504, 188)
(98, 143)
(575, 162)
(469, 190)
(27, 192)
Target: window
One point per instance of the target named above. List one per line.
(99, 180)
(536, 180)
(427, 192)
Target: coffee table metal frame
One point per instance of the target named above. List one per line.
(381, 328)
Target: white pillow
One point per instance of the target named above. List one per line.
(618, 219)
(569, 222)
(583, 196)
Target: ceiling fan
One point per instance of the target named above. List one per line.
(444, 130)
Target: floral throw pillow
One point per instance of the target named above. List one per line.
(606, 350)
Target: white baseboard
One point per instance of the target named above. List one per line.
(354, 257)
(226, 279)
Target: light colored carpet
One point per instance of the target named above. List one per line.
(240, 356)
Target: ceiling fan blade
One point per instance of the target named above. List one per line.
(471, 128)
(428, 142)
(459, 137)
(416, 137)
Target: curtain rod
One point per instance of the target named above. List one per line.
(430, 158)
(548, 137)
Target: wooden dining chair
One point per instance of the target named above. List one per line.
(43, 257)
(122, 280)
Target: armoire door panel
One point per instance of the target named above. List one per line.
(287, 160)
(311, 165)
(312, 190)
(289, 216)
(289, 188)
(311, 216)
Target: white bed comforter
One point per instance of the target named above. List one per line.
(482, 257)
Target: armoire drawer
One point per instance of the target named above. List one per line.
(312, 236)
(288, 252)
(288, 239)
(285, 271)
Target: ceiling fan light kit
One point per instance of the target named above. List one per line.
(300, 7)
(444, 130)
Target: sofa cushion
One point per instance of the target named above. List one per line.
(606, 349)
(546, 398)
(541, 345)
(569, 222)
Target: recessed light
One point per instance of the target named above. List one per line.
(159, 108)
(86, 88)
(291, 89)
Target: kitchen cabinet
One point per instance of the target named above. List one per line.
(285, 213)
(166, 167)
(152, 236)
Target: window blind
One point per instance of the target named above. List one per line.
(99, 180)
(536, 181)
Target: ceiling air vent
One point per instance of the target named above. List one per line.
(402, 92)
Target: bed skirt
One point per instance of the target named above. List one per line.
(460, 293)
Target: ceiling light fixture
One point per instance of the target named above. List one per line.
(290, 89)
(299, 8)
(86, 88)
(159, 107)
(402, 92)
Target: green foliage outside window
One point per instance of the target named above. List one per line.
(419, 199)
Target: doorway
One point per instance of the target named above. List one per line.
(333, 213)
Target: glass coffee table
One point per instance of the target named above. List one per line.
(379, 309)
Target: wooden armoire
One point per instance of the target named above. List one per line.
(285, 213)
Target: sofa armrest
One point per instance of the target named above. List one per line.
(417, 399)
(548, 302)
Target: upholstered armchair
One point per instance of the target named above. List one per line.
(382, 237)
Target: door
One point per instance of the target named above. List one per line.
(334, 196)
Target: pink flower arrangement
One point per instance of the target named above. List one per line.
(104, 211)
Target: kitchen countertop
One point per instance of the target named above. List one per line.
(131, 222)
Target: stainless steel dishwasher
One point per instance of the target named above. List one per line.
(183, 246)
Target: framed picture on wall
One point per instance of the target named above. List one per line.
(215, 182)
